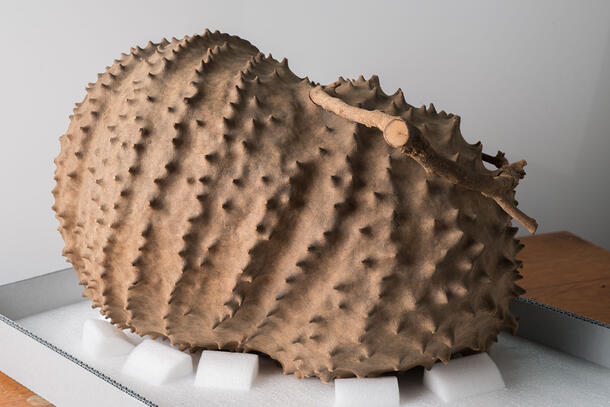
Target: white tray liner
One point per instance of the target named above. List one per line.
(534, 375)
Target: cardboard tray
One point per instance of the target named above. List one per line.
(66, 380)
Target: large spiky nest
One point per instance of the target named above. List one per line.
(204, 197)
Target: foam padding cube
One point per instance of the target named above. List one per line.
(378, 392)
(463, 377)
(156, 363)
(101, 339)
(227, 370)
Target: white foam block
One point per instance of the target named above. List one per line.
(463, 377)
(101, 339)
(157, 363)
(378, 391)
(227, 370)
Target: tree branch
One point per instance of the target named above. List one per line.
(498, 160)
(399, 134)
(394, 129)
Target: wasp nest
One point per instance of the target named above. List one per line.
(208, 195)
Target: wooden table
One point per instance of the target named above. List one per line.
(559, 269)
(567, 272)
(12, 394)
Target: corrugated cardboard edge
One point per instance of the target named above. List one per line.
(48, 370)
(565, 331)
(55, 374)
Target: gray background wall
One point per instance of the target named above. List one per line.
(529, 78)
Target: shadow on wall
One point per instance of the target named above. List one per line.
(589, 171)
(594, 159)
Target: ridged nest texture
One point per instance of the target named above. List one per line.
(204, 198)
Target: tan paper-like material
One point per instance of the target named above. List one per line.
(208, 195)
